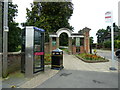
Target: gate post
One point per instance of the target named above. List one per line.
(86, 39)
(70, 45)
(50, 43)
(57, 42)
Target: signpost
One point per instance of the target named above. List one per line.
(109, 19)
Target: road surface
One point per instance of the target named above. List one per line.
(107, 54)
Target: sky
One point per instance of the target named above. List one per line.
(86, 13)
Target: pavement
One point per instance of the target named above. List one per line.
(76, 74)
(18, 79)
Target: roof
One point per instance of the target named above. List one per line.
(42, 30)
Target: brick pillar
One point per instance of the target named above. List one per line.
(57, 42)
(50, 44)
(74, 49)
(86, 40)
(70, 45)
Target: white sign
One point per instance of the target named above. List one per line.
(77, 41)
(108, 17)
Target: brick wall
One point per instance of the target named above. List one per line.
(47, 49)
(54, 47)
(14, 62)
(81, 49)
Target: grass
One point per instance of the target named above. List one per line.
(91, 58)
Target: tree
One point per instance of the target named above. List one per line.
(14, 33)
(101, 33)
(50, 16)
(104, 36)
(64, 39)
(91, 43)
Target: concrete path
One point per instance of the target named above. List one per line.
(78, 74)
(71, 62)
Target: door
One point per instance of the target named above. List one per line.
(38, 63)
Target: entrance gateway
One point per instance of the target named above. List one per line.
(77, 42)
(33, 50)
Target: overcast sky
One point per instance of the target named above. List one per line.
(87, 13)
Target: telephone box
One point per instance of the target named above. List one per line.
(32, 50)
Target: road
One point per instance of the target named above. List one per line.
(107, 54)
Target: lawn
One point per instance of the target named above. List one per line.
(91, 58)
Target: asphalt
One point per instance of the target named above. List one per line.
(76, 74)
(81, 79)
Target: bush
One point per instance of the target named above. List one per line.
(117, 44)
(47, 59)
(107, 44)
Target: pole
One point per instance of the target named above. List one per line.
(112, 44)
(5, 35)
(0, 45)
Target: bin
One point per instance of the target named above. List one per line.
(57, 59)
